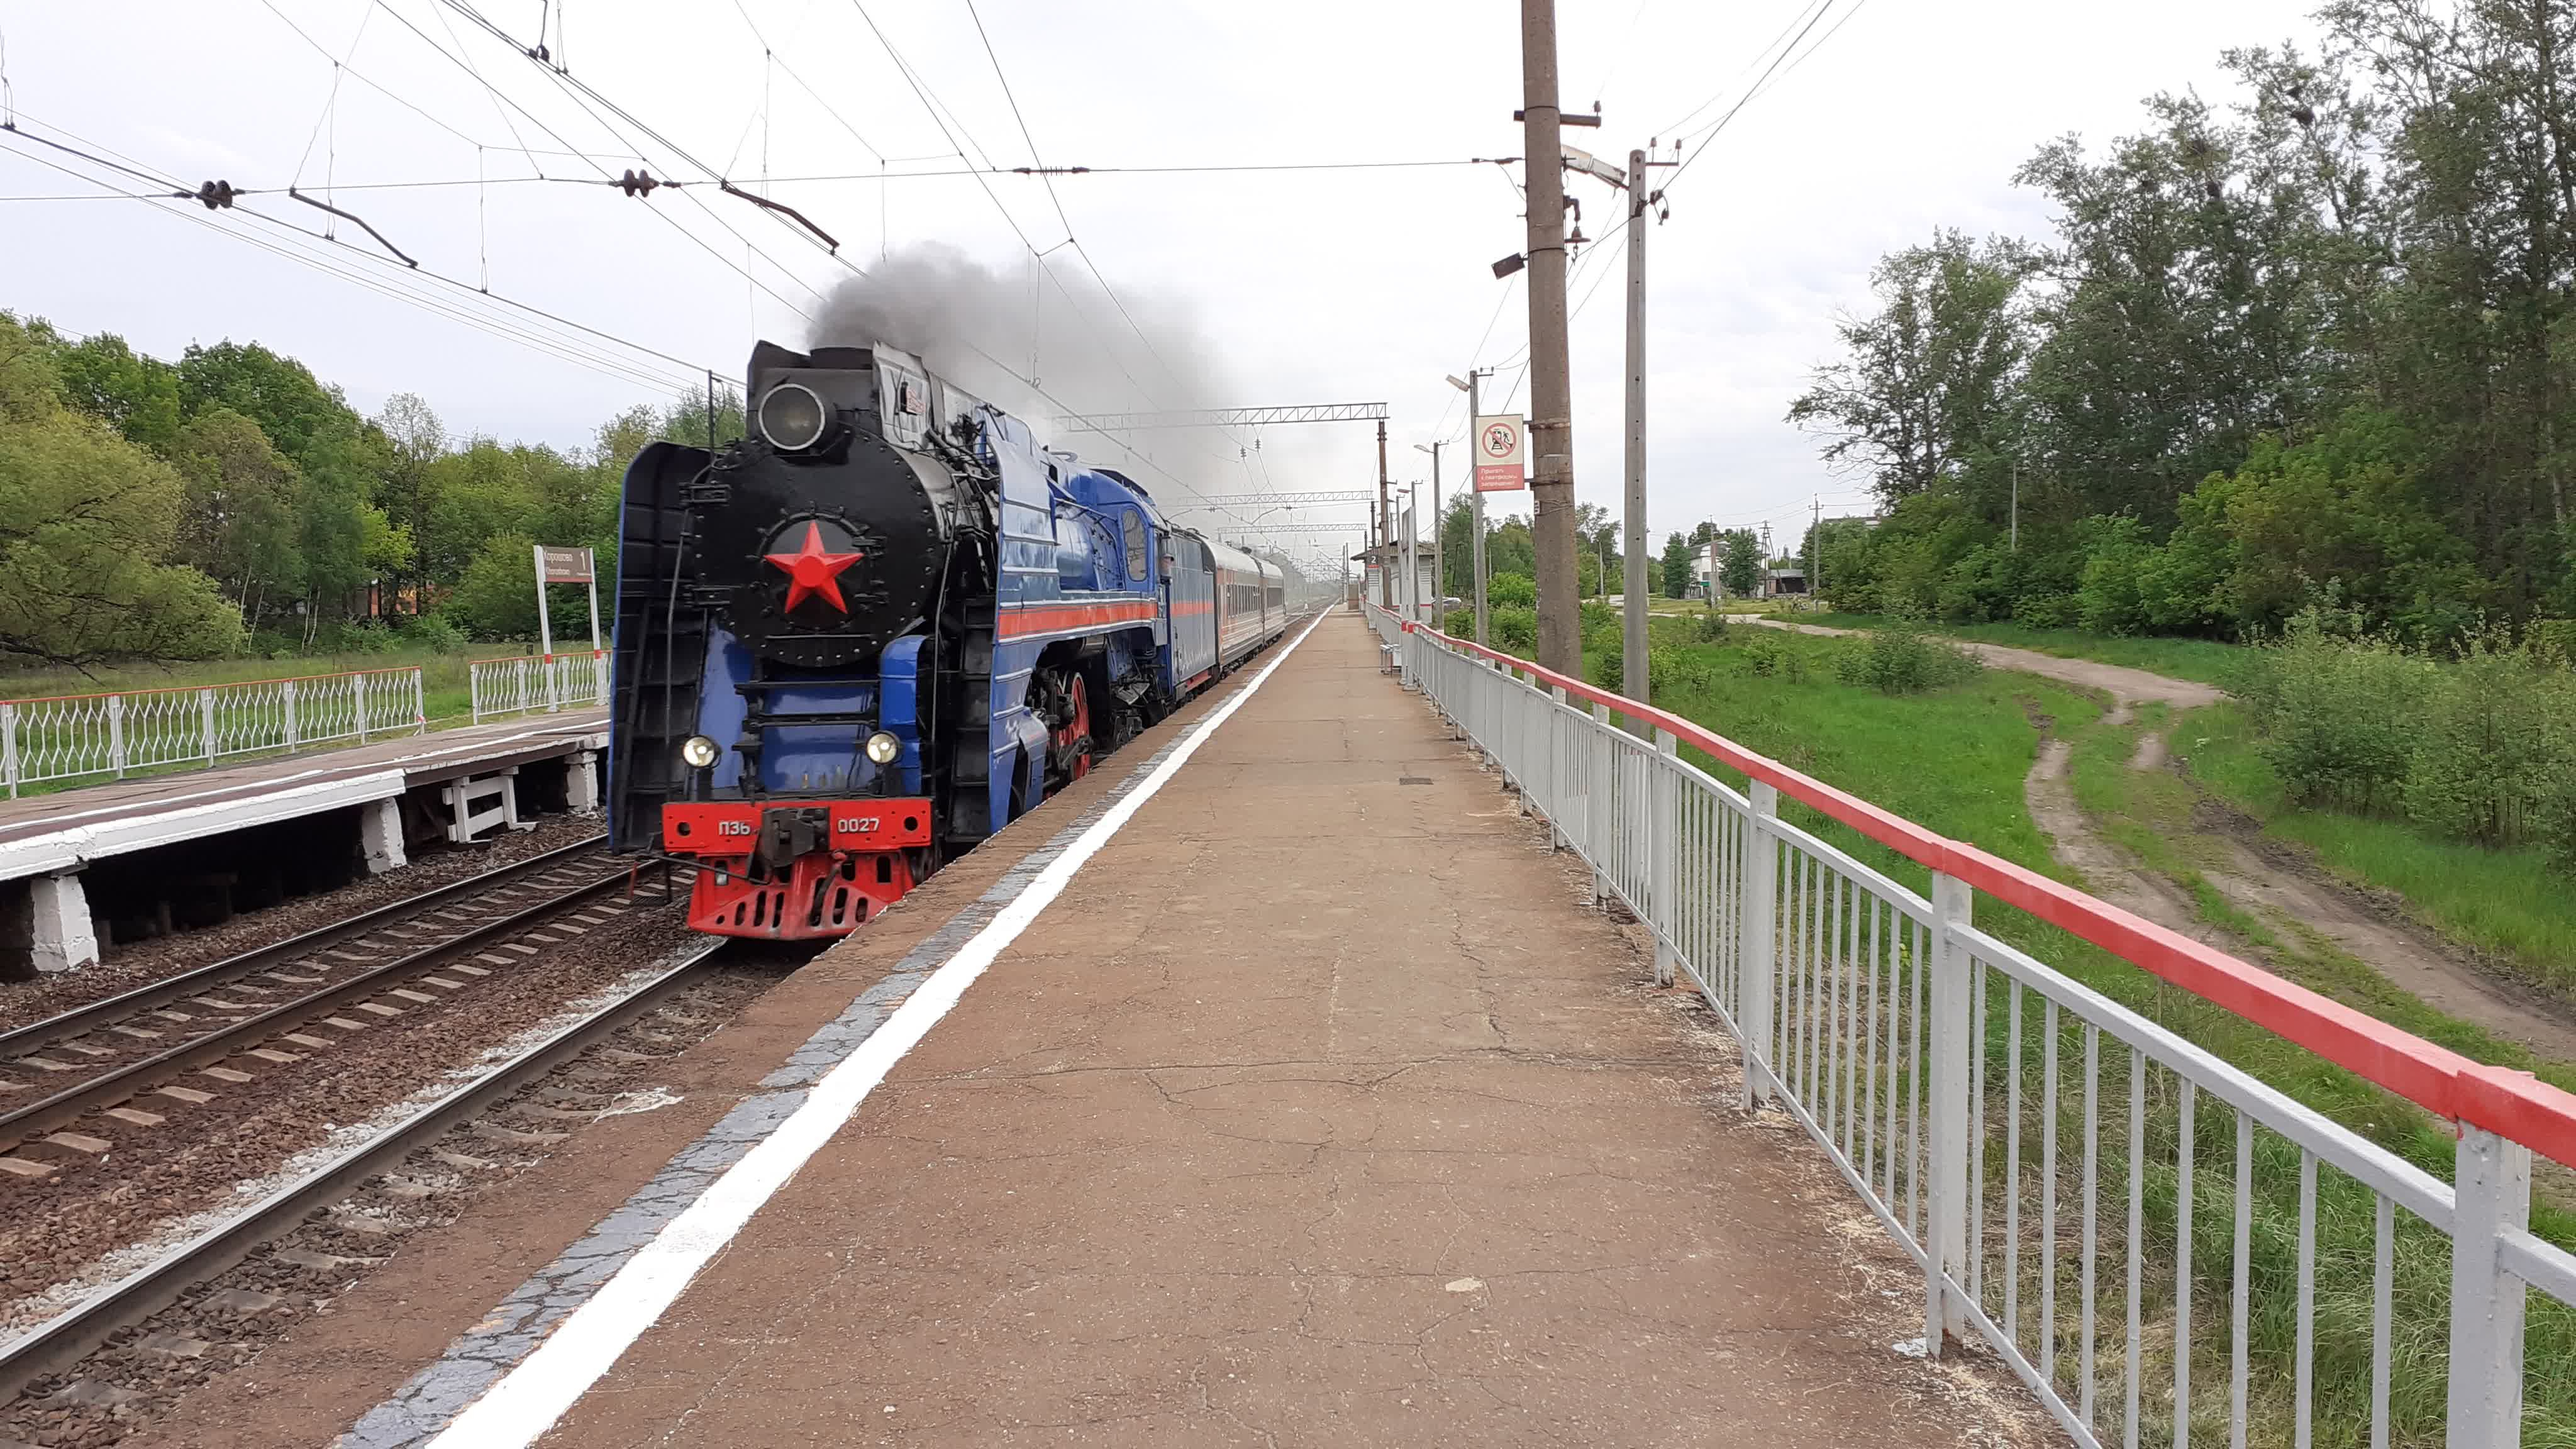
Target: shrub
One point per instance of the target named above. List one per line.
(2553, 803)
(1710, 627)
(2481, 744)
(2554, 640)
(1767, 654)
(432, 631)
(1899, 658)
(2108, 601)
(2045, 611)
(1514, 589)
(1459, 624)
(1605, 661)
(1512, 628)
(1669, 668)
(2339, 709)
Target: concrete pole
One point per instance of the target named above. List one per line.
(1439, 526)
(1385, 526)
(1477, 494)
(1551, 428)
(1632, 635)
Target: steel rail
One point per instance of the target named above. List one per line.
(81, 1020)
(127, 1081)
(61, 1341)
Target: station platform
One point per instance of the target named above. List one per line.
(1319, 1108)
(460, 782)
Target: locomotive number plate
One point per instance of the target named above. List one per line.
(730, 827)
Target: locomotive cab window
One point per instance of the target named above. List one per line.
(1133, 527)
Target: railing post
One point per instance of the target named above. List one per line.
(1757, 946)
(358, 685)
(1952, 1038)
(206, 726)
(554, 694)
(2492, 1182)
(9, 746)
(419, 703)
(293, 736)
(1662, 910)
(1597, 795)
(116, 733)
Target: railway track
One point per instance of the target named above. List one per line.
(73, 1085)
(56, 1345)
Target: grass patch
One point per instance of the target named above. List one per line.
(1954, 759)
(2205, 661)
(2505, 902)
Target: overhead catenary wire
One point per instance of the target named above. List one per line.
(614, 183)
(534, 327)
(465, 64)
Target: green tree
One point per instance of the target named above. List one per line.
(241, 511)
(1922, 394)
(414, 439)
(88, 525)
(1743, 566)
(136, 395)
(497, 597)
(1677, 570)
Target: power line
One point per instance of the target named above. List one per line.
(1716, 130)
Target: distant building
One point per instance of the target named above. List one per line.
(1390, 556)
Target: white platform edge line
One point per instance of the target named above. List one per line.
(528, 1400)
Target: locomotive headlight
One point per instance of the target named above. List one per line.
(792, 417)
(698, 752)
(883, 747)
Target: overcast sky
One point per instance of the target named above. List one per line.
(1255, 288)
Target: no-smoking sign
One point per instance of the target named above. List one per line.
(1499, 441)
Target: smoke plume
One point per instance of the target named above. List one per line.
(1043, 344)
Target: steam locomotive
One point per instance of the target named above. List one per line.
(879, 628)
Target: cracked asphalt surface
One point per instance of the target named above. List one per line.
(1317, 1111)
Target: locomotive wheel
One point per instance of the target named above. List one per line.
(1073, 742)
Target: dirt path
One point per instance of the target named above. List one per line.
(2291, 897)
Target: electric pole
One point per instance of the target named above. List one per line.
(1816, 546)
(1475, 495)
(1439, 540)
(1632, 634)
(1385, 526)
(1560, 632)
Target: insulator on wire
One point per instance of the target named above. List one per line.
(216, 195)
(637, 183)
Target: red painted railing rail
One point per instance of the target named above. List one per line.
(2510, 1103)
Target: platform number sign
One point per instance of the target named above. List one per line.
(1500, 442)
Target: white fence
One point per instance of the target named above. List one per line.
(2162, 1247)
(68, 737)
(539, 682)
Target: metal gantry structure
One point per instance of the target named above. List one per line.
(1350, 412)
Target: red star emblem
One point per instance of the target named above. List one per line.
(810, 571)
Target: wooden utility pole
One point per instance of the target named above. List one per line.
(1551, 428)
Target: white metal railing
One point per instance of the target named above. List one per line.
(2162, 1247)
(539, 682)
(71, 736)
